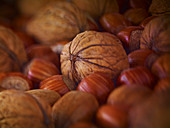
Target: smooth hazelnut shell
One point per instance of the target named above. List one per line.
(39, 69)
(129, 95)
(136, 15)
(138, 75)
(138, 57)
(161, 67)
(58, 83)
(98, 84)
(111, 116)
(113, 22)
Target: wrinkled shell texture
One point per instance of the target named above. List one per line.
(96, 8)
(159, 7)
(92, 51)
(156, 34)
(73, 107)
(12, 43)
(57, 22)
(21, 110)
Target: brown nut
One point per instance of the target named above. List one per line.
(162, 84)
(156, 35)
(73, 107)
(128, 95)
(97, 8)
(140, 3)
(16, 80)
(93, 51)
(22, 110)
(98, 84)
(113, 22)
(11, 48)
(130, 37)
(43, 52)
(146, 21)
(159, 7)
(138, 75)
(161, 67)
(136, 15)
(49, 96)
(138, 57)
(58, 21)
(58, 83)
(39, 69)
(112, 116)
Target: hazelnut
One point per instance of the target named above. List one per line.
(130, 37)
(39, 69)
(138, 75)
(161, 67)
(43, 52)
(112, 116)
(97, 8)
(58, 83)
(136, 15)
(98, 84)
(138, 57)
(128, 95)
(113, 22)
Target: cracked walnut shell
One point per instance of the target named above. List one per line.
(92, 51)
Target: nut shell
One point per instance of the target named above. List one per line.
(73, 107)
(92, 51)
(21, 110)
(58, 21)
(156, 34)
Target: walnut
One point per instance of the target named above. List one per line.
(97, 8)
(12, 52)
(58, 21)
(156, 34)
(159, 7)
(22, 110)
(92, 51)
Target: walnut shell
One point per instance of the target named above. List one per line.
(159, 7)
(21, 110)
(92, 51)
(156, 34)
(11, 48)
(49, 96)
(58, 21)
(96, 8)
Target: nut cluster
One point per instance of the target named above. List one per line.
(84, 64)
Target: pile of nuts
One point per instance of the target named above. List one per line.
(85, 64)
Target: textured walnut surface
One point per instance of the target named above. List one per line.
(21, 110)
(57, 22)
(92, 51)
(12, 51)
(156, 34)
